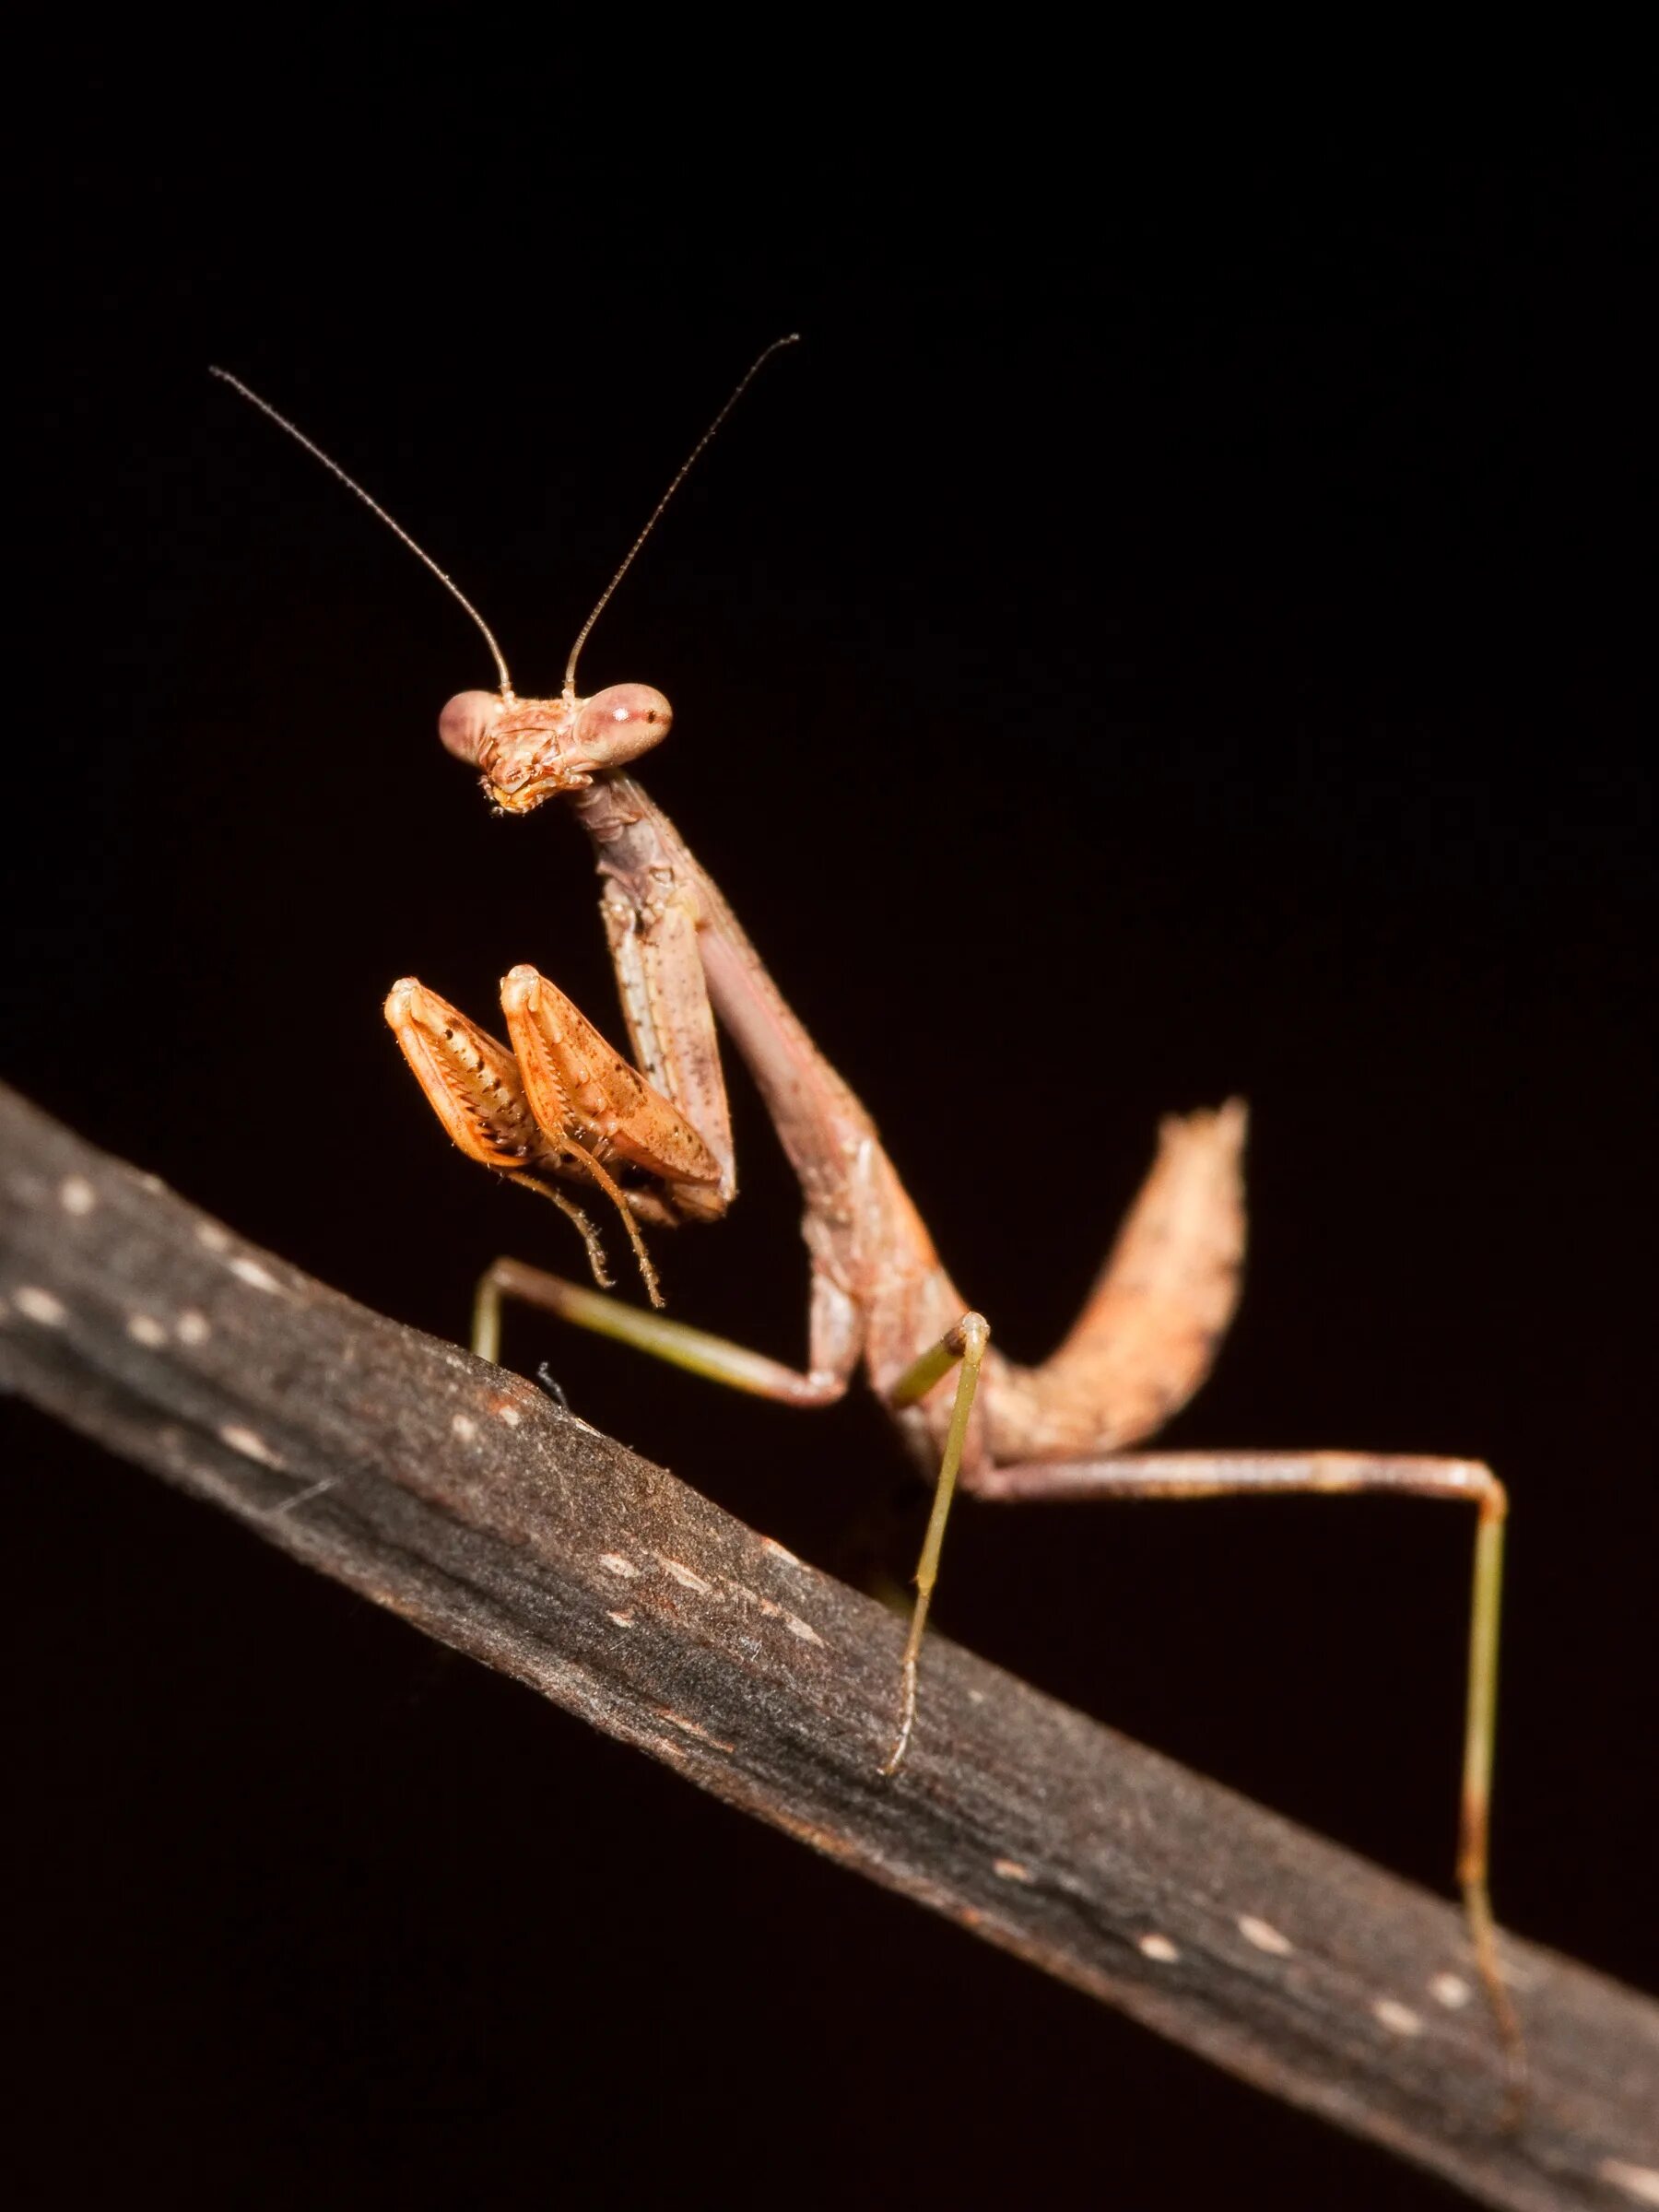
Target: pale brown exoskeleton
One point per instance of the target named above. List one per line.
(654, 1137)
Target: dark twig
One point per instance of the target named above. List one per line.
(467, 1501)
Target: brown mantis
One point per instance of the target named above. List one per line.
(653, 1136)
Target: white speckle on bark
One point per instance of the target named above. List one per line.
(143, 1328)
(1159, 1947)
(779, 1551)
(193, 1327)
(614, 1563)
(1265, 1936)
(250, 1272)
(249, 1442)
(1012, 1870)
(76, 1194)
(465, 1426)
(804, 1629)
(1450, 1990)
(684, 1576)
(40, 1306)
(213, 1236)
(1399, 2019)
(623, 1621)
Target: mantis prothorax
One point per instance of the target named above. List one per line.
(654, 1137)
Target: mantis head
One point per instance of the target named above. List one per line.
(528, 750)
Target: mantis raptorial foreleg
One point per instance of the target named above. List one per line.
(671, 1024)
(564, 1104)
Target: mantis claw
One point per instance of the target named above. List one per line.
(907, 1721)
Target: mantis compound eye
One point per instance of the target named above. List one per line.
(621, 722)
(466, 724)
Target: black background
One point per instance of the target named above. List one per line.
(1176, 626)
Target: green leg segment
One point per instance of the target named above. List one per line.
(697, 1350)
(966, 1343)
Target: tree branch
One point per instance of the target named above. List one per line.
(458, 1496)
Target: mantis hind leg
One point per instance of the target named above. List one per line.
(1190, 1475)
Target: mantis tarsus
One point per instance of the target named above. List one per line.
(654, 1137)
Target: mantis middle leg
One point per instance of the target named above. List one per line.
(836, 1343)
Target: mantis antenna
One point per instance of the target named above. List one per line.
(685, 469)
(449, 583)
(397, 529)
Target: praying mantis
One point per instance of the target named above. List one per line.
(558, 1105)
